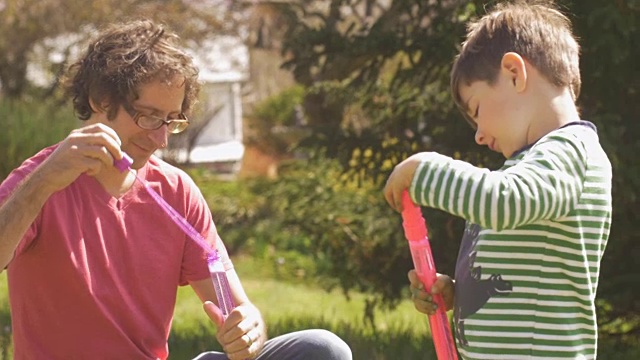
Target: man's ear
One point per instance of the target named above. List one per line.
(98, 108)
(513, 65)
(94, 107)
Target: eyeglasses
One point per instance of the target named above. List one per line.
(150, 122)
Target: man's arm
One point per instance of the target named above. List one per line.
(86, 150)
(18, 213)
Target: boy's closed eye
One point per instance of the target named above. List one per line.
(474, 115)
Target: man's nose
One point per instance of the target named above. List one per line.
(160, 136)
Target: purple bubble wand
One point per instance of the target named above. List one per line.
(216, 268)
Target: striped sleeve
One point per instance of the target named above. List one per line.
(545, 183)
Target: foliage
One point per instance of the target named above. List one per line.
(27, 127)
(312, 223)
(274, 125)
(280, 110)
(378, 77)
(6, 349)
(378, 84)
(609, 33)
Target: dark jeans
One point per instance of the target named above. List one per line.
(300, 345)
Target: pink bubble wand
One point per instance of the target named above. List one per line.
(415, 230)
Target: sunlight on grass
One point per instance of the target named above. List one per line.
(279, 300)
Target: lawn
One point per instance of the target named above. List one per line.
(398, 334)
(288, 306)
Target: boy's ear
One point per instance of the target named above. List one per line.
(513, 65)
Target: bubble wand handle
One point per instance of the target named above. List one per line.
(415, 230)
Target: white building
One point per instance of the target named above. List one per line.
(223, 65)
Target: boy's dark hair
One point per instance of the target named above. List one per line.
(121, 59)
(535, 30)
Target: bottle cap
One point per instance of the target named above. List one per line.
(213, 257)
(124, 163)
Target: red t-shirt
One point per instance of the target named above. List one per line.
(95, 277)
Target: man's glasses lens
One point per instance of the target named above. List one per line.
(174, 126)
(177, 126)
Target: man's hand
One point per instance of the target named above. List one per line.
(423, 301)
(86, 150)
(243, 334)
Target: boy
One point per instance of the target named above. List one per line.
(527, 271)
(93, 262)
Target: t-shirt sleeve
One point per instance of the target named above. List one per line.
(545, 184)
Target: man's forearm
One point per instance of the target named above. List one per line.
(18, 213)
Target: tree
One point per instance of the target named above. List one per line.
(610, 90)
(27, 24)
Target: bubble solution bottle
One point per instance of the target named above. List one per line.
(220, 283)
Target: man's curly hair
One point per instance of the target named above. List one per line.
(122, 58)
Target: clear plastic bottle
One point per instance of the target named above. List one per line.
(220, 283)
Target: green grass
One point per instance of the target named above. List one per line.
(5, 320)
(398, 334)
(287, 307)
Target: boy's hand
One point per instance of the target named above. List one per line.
(423, 301)
(400, 180)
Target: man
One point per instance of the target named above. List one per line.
(93, 263)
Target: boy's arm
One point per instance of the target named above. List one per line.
(545, 184)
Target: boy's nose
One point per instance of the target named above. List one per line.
(480, 138)
(160, 137)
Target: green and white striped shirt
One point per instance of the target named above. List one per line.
(527, 272)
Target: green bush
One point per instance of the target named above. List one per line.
(312, 223)
(27, 127)
(273, 124)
